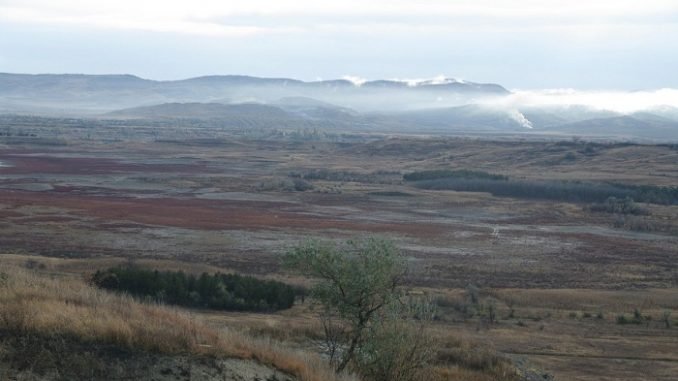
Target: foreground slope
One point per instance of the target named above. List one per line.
(53, 328)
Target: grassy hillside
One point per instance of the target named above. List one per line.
(46, 316)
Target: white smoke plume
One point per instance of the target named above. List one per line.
(520, 118)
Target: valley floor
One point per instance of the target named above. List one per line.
(559, 274)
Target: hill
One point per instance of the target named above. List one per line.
(61, 328)
(90, 94)
(203, 111)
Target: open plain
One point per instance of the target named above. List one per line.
(559, 274)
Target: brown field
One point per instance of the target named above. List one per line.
(559, 274)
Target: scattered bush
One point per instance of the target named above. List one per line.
(636, 319)
(301, 185)
(473, 294)
(219, 291)
(283, 185)
(588, 150)
(471, 355)
(397, 347)
(666, 318)
(33, 264)
(390, 194)
(489, 311)
(620, 206)
(641, 224)
(570, 156)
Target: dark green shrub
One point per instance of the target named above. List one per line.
(636, 319)
(570, 156)
(231, 292)
(301, 185)
(666, 318)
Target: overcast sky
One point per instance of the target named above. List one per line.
(590, 44)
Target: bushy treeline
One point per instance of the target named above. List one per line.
(380, 177)
(572, 191)
(547, 190)
(230, 292)
(455, 174)
(652, 194)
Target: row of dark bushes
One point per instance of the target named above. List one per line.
(452, 174)
(230, 292)
(378, 177)
(547, 190)
(572, 191)
(652, 194)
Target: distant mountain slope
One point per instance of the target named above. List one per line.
(246, 115)
(48, 83)
(438, 105)
(645, 126)
(545, 116)
(314, 109)
(570, 120)
(471, 117)
(78, 93)
(202, 111)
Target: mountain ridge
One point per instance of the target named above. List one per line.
(247, 79)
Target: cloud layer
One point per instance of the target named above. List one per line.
(521, 43)
(618, 101)
(225, 18)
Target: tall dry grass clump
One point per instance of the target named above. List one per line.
(35, 304)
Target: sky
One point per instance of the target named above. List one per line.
(520, 44)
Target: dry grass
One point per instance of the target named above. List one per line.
(587, 299)
(40, 305)
(462, 359)
(286, 331)
(456, 373)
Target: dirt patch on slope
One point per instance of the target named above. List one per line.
(40, 358)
